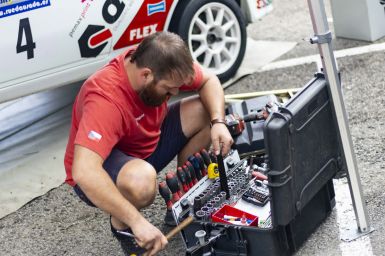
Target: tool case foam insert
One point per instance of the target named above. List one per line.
(304, 154)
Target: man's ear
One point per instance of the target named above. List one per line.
(146, 75)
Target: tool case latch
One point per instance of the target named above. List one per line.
(241, 243)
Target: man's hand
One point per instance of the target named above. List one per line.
(221, 138)
(149, 237)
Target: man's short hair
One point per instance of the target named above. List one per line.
(166, 54)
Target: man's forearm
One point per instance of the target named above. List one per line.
(212, 97)
(102, 192)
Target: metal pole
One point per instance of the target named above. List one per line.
(323, 39)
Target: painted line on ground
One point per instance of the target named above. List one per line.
(347, 224)
(316, 58)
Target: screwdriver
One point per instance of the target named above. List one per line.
(191, 170)
(166, 194)
(182, 179)
(201, 164)
(172, 183)
(188, 176)
(206, 157)
(196, 166)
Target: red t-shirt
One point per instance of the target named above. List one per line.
(108, 113)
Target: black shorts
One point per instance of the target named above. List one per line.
(171, 142)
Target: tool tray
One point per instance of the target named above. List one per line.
(304, 154)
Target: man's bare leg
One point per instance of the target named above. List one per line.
(195, 125)
(137, 183)
(141, 193)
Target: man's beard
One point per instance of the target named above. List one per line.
(150, 97)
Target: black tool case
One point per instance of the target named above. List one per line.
(304, 154)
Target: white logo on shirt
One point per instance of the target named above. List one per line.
(137, 119)
(92, 135)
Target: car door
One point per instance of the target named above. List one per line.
(41, 38)
(48, 43)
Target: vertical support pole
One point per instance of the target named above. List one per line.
(323, 39)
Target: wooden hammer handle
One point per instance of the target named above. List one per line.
(178, 228)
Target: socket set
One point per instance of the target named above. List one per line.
(257, 194)
(206, 197)
(212, 198)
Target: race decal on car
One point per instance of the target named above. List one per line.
(144, 18)
(94, 38)
(149, 19)
(155, 8)
(13, 7)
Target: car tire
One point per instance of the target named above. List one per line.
(215, 32)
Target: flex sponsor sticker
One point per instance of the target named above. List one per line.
(156, 7)
(140, 33)
(13, 7)
(145, 23)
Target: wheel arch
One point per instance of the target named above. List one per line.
(177, 12)
(224, 73)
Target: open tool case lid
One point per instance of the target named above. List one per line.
(303, 148)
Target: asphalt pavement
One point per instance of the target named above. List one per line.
(57, 223)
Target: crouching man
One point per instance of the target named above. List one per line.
(123, 132)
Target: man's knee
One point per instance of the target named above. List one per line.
(194, 116)
(137, 182)
(196, 107)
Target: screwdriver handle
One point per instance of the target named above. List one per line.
(196, 166)
(206, 157)
(192, 172)
(182, 178)
(188, 177)
(165, 193)
(172, 183)
(201, 164)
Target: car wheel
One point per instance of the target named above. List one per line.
(215, 33)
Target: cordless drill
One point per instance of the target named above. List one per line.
(236, 124)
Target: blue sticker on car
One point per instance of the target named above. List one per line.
(12, 7)
(156, 7)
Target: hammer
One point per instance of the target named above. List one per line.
(178, 228)
(170, 234)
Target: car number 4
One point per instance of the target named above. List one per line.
(29, 45)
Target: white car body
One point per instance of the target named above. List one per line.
(50, 43)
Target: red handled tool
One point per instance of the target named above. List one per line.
(182, 178)
(201, 164)
(193, 172)
(195, 163)
(188, 176)
(172, 183)
(166, 194)
(206, 157)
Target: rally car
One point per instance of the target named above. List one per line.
(50, 43)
